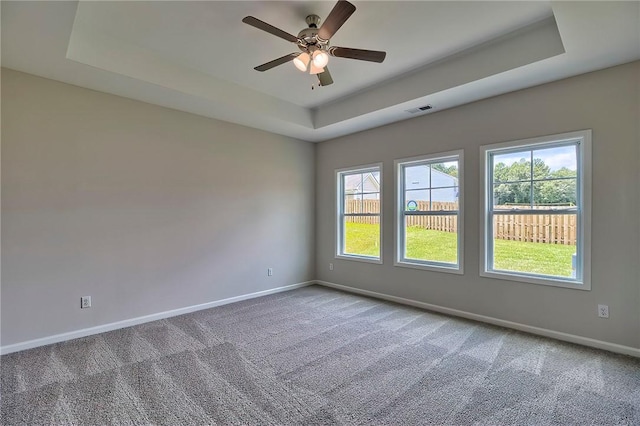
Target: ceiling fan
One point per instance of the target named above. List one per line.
(314, 43)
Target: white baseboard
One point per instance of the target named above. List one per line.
(585, 341)
(140, 320)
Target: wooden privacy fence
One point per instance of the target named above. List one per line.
(437, 223)
(547, 228)
(362, 206)
(536, 228)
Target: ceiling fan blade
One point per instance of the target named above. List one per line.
(325, 77)
(360, 54)
(282, 60)
(261, 25)
(338, 16)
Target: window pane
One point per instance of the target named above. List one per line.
(512, 196)
(431, 238)
(444, 174)
(416, 177)
(353, 203)
(561, 161)
(556, 193)
(352, 183)
(512, 167)
(371, 196)
(362, 236)
(371, 182)
(371, 205)
(417, 200)
(537, 244)
(444, 199)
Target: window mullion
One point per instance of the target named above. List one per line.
(531, 181)
(432, 213)
(430, 187)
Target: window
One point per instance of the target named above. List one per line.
(359, 213)
(429, 209)
(537, 210)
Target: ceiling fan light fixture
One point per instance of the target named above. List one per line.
(302, 61)
(320, 58)
(313, 69)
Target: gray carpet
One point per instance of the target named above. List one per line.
(318, 356)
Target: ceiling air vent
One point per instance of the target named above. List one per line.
(419, 109)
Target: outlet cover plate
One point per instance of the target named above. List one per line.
(603, 311)
(85, 302)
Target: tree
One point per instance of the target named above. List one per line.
(513, 184)
(451, 170)
(558, 191)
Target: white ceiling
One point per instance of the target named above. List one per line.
(199, 56)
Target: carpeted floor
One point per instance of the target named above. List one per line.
(318, 356)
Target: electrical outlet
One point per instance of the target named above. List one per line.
(270, 272)
(85, 302)
(331, 266)
(603, 311)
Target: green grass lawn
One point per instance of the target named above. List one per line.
(362, 239)
(540, 258)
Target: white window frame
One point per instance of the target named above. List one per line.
(400, 260)
(582, 139)
(339, 234)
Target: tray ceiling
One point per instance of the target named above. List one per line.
(199, 56)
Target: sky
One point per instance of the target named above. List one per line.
(556, 158)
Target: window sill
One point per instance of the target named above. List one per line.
(575, 285)
(356, 258)
(453, 269)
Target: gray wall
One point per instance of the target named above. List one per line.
(605, 101)
(146, 209)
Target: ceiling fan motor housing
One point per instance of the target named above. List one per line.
(309, 34)
(313, 21)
